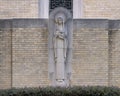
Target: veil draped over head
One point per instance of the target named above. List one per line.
(61, 15)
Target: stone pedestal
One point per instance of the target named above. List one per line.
(60, 83)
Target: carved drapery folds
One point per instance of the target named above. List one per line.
(60, 46)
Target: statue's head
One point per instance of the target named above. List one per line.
(59, 20)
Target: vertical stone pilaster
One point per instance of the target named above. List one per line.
(77, 9)
(43, 8)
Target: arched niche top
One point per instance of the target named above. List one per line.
(61, 10)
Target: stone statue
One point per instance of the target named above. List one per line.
(61, 35)
(60, 50)
(60, 47)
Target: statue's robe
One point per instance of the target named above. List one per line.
(60, 49)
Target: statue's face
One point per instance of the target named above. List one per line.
(60, 20)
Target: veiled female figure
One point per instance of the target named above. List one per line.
(60, 50)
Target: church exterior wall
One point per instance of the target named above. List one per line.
(30, 53)
(90, 52)
(114, 54)
(5, 54)
(24, 52)
(18, 9)
(108, 9)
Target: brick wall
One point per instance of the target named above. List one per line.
(90, 52)
(18, 9)
(30, 53)
(95, 52)
(5, 54)
(109, 9)
(114, 65)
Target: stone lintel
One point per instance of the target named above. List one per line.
(5, 23)
(91, 23)
(29, 23)
(77, 23)
(23, 23)
(114, 24)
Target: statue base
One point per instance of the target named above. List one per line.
(60, 83)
